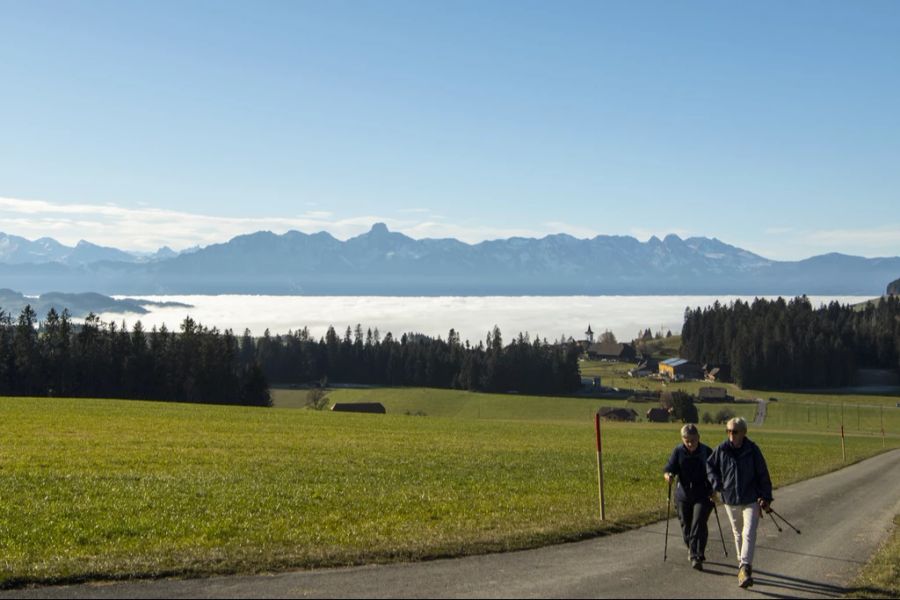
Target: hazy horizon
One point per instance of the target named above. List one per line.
(471, 316)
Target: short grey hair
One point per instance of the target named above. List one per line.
(689, 429)
(737, 424)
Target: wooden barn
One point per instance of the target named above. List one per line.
(617, 414)
(658, 415)
(360, 407)
(714, 394)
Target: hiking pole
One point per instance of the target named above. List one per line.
(772, 511)
(668, 508)
(762, 513)
(721, 535)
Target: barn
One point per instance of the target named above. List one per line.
(680, 368)
(360, 407)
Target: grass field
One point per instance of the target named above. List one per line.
(113, 489)
(458, 404)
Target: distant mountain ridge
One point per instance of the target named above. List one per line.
(18, 250)
(382, 262)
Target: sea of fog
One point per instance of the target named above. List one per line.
(472, 316)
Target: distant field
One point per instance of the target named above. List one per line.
(106, 489)
(458, 404)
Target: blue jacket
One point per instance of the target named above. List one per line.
(693, 485)
(740, 474)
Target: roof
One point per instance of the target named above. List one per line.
(675, 362)
(363, 407)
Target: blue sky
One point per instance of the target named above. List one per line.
(770, 125)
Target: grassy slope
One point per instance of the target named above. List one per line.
(100, 488)
(880, 578)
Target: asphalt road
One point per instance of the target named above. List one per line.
(843, 517)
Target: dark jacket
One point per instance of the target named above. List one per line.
(693, 484)
(740, 474)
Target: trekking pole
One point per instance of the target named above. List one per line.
(786, 522)
(668, 507)
(721, 535)
(762, 513)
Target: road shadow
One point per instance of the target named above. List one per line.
(834, 558)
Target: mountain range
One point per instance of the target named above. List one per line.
(382, 262)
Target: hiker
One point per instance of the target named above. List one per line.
(692, 495)
(738, 470)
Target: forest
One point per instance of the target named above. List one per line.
(779, 344)
(58, 357)
(524, 365)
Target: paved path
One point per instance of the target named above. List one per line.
(843, 517)
(761, 413)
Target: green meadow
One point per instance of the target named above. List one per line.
(105, 489)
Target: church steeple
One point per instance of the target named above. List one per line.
(589, 334)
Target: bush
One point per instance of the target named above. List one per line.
(707, 418)
(316, 398)
(723, 415)
(684, 408)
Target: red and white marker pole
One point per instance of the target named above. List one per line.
(600, 466)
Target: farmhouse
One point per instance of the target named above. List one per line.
(658, 415)
(612, 351)
(360, 407)
(680, 368)
(617, 414)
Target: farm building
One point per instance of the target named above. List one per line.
(658, 415)
(611, 351)
(617, 414)
(360, 407)
(647, 366)
(717, 372)
(680, 368)
(714, 394)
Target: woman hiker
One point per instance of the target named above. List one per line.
(688, 464)
(738, 470)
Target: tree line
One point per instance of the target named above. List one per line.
(103, 360)
(772, 344)
(525, 365)
(57, 357)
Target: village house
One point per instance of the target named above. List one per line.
(612, 351)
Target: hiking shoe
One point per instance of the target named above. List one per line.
(745, 576)
(697, 564)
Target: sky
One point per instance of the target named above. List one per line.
(772, 126)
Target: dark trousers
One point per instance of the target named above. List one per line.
(693, 517)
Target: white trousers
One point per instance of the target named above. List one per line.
(744, 533)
